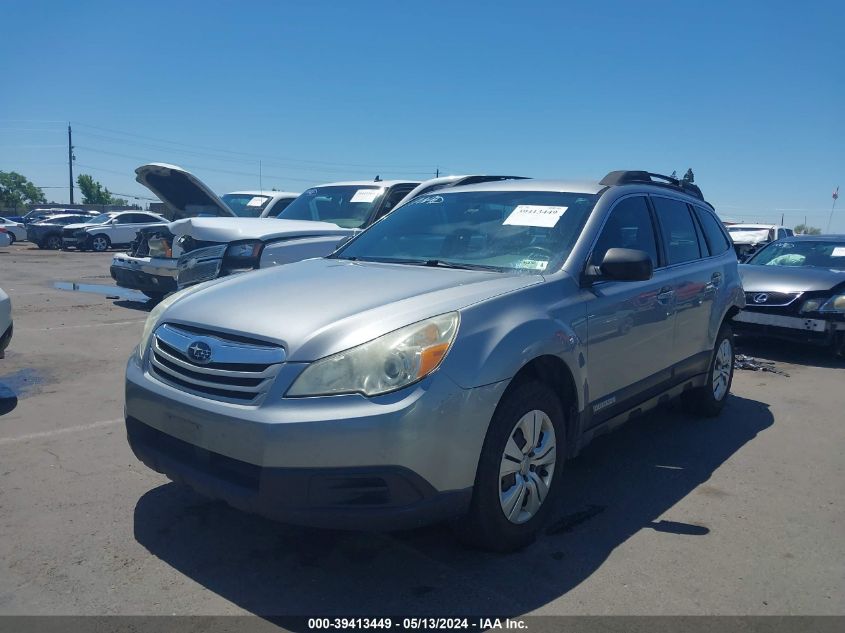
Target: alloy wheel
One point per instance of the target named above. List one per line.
(99, 244)
(722, 368)
(527, 466)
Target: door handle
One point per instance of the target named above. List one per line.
(715, 282)
(665, 294)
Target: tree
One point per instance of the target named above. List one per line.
(689, 176)
(94, 193)
(16, 191)
(806, 229)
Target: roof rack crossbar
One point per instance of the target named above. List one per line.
(623, 177)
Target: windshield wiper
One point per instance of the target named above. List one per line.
(438, 263)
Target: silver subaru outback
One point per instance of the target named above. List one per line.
(444, 363)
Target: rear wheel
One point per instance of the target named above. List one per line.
(100, 243)
(11, 238)
(709, 399)
(518, 472)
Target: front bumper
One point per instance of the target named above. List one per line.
(397, 461)
(812, 329)
(144, 273)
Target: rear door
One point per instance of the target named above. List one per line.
(630, 324)
(691, 272)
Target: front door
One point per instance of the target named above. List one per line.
(630, 324)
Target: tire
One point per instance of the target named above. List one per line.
(155, 296)
(100, 243)
(11, 238)
(52, 242)
(709, 400)
(487, 526)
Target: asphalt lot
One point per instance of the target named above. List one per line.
(669, 515)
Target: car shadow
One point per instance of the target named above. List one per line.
(621, 484)
(140, 306)
(789, 352)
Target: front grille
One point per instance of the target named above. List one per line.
(770, 299)
(202, 264)
(237, 371)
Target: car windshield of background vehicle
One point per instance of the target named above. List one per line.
(739, 234)
(802, 253)
(246, 205)
(99, 219)
(347, 206)
(502, 230)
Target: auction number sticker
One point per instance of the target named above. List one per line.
(535, 215)
(256, 201)
(365, 195)
(838, 251)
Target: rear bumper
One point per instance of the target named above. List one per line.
(144, 273)
(368, 498)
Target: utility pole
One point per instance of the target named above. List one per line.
(70, 161)
(260, 180)
(832, 207)
(437, 173)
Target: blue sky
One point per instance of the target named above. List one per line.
(750, 95)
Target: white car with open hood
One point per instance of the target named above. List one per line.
(200, 218)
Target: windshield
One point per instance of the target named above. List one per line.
(499, 230)
(348, 206)
(99, 219)
(246, 205)
(802, 253)
(748, 234)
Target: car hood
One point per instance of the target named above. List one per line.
(758, 278)
(184, 194)
(233, 229)
(318, 307)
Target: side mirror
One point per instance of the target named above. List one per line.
(626, 264)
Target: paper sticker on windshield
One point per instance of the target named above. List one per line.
(365, 195)
(535, 215)
(533, 264)
(838, 251)
(256, 201)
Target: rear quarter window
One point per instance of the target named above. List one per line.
(714, 235)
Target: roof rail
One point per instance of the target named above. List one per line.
(624, 177)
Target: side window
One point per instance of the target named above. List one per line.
(142, 218)
(393, 198)
(677, 229)
(280, 206)
(125, 218)
(789, 232)
(781, 233)
(629, 226)
(713, 233)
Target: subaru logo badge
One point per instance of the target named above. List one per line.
(761, 298)
(199, 352)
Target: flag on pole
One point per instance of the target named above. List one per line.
(835, 195)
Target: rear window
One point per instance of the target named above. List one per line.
(716, 239)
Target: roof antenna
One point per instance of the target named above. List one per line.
(377, 179)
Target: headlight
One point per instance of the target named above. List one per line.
(155, 314)
(385, 364)
(244, 250)
(834, 304)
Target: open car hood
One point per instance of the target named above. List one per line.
(226, 230)
(184, 194)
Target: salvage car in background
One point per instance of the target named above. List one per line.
(445, 361)
(16, 230)
(116, 228)
(48, 232)
(750, 238)
(201, 218)
(795, 290)
(5, 322)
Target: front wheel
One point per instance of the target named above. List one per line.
(709, 399)
(53, 242)
(100, 243)
(519, 470)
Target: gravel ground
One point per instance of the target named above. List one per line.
(668, 515)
